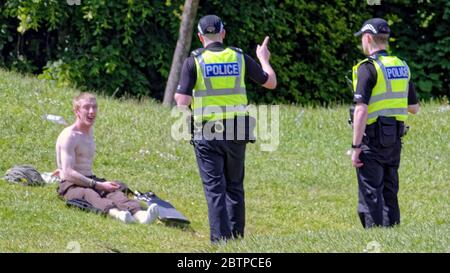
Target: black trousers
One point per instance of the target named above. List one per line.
(378, 184)
(221, 165)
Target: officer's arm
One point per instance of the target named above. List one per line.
(413, 102)
(359, 125)
(183, 95)
(183, 100)
(263, 54)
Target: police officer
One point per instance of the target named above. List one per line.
(213, 84)
(384, 94)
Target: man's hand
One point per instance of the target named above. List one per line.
(355, 158)
(56, 173)
(182, 100)
(413, 108)
(108, 186)
(262, 52)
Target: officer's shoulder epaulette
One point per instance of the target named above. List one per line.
(197, 52)
(369, 59)
(237, 49)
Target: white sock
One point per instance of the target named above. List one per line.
(147, 216)
(121, 215)
(141, 216)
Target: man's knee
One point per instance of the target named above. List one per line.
(90, 193)
(76, 193)
(117, 195)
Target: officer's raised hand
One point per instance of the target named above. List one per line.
(263, 54)
(262, 51)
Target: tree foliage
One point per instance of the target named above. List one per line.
(125, 47)
(422, 36)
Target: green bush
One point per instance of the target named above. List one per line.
(311, 43)
(119, 47)
(125, 47)
(423, 39)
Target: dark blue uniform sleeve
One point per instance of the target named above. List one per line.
(412, 95)
(188, 77)
(367, 78)
(254, 71)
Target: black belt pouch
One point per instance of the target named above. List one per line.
(387, 131)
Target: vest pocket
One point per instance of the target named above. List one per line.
(387, 131)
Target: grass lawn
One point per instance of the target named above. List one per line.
(301, 197)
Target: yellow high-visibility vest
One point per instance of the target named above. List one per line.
(390, 94)
(219, 92)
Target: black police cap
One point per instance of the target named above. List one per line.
(374, 26)
(210, 24)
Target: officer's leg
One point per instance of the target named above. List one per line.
(390, 190)
(370, 185)
(234, 175)
(391, 208)
(210, 162)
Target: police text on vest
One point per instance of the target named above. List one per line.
(221, 69)
(397, 72)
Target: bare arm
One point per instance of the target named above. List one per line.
(359, 126)
(413, 108)
(360, 119)
(263, 54)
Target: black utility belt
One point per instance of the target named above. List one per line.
(214, 125)
(237, 123)
(386, 131)
(238, 128)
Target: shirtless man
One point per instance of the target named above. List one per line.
(75, 149)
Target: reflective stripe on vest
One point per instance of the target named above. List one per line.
(219, 109)
(390, 93)
(219, 91)
(388, 112)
